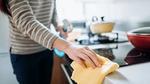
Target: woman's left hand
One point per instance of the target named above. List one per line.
(63, 33)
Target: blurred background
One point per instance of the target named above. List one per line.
(127, 15)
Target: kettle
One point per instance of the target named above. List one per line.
(98, 27)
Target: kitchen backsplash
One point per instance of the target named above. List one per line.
(127, 14)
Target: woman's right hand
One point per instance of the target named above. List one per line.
(78, 54)
(83, 54)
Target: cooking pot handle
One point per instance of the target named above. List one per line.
(94, 19)
(102, 18)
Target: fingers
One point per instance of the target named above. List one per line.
(100, 60)
(92, 55)
(82, 55)
(87, 59)
(80, 61)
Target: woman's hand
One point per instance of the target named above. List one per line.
(61, 31)
(64, 28)
(64, 33)
(83, 54)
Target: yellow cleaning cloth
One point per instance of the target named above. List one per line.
(88, 75)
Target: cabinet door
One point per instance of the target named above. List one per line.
(58, 76)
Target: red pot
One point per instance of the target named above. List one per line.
(140, 38)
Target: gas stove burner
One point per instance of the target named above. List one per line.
(102, 39)
(98, 39)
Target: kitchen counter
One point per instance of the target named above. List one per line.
(136, 74)
(133, 64)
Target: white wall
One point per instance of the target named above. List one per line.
(4, 34)
(70, 9)
(127, 14)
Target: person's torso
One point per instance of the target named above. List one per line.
(22, 44)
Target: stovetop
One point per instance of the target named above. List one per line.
(123, 54)
(104, 38)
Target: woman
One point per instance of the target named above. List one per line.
(32, 41)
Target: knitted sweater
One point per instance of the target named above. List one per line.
(30, 25)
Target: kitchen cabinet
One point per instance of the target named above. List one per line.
(58, 76)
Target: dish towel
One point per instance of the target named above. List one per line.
(88, 75)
